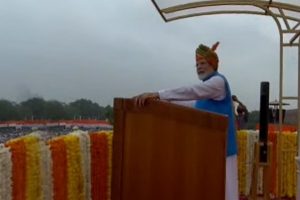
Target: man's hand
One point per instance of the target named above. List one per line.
(141, 99)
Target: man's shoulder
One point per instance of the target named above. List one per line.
(216, 82)
(220, 75)
(218, 78)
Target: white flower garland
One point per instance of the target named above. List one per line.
(85, 146)
(46, 172)
(5, 173)
(251, 140)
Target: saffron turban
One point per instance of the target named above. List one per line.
(209, 54)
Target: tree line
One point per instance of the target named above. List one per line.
(40, 109)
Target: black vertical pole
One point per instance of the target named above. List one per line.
(263, 121)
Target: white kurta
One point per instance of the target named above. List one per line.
(214, 88)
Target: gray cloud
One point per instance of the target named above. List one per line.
(99, 50)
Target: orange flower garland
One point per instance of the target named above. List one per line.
(109, 138)
(59, 168)
(18, 150)
(99, 166)
(273, 183)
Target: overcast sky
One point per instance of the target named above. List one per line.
(101, 49)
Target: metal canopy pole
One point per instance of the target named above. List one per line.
(298, 128)
(279, 160)
(278, 147)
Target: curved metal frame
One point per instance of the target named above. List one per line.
(266, 8)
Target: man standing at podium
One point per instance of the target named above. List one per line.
(213, 94)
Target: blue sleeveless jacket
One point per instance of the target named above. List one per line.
(224, 107)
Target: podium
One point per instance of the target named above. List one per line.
(164, 151)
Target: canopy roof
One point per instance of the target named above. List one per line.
(177, 9)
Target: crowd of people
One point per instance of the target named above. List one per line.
(7, 133)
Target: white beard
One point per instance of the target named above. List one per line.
(202, 76)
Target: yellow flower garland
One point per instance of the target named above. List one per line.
(84, 140)
(288, 167)
(74, 162)
(33, 169)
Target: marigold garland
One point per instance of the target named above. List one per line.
(252, 138)
(33, 172)
(246, 141)
(65, 168)
(86, 161)
(273, 183)
(46, 172)
(59, 168)
(109, 177)
(99, 166)
(5, 173)
(242, 158)
(74, 170)
(18, 157)
(78, 166)
(288, 167)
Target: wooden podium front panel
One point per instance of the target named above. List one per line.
(167, 152)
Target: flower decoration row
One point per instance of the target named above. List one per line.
(76, 166)
(287, 165)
